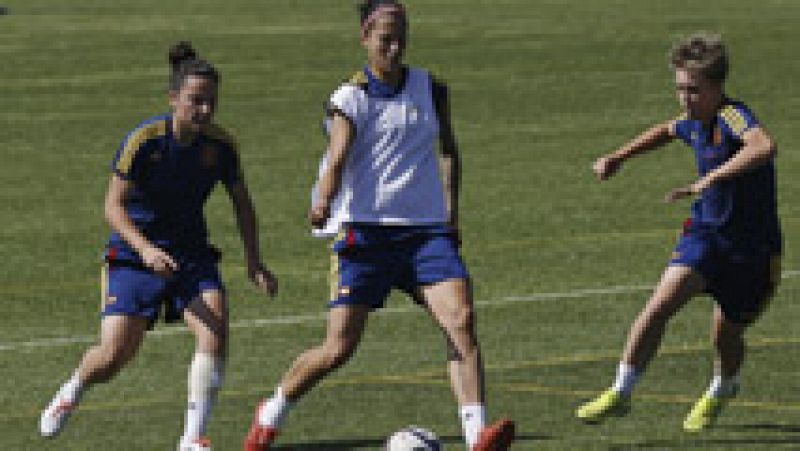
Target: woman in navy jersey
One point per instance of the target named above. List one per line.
(730, 247)
(395, 220)
(158, 256)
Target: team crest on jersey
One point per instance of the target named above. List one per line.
(717, 136)
(344, 291)
(155, 157)
(208, 156)
(389, 119)
(397, 116)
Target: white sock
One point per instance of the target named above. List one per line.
(72, 390)
(473, 419)
(723, 386)
(274, 411)
(627, 376)
(205, 379)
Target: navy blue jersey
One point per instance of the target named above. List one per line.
(741, 210)
(171, 184)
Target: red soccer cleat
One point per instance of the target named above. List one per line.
(260, 437)
(496, 437)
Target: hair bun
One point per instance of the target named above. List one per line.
(181, 52)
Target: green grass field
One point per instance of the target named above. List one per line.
(561, 263)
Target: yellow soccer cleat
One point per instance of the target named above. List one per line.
(704, 413)
(610, 403)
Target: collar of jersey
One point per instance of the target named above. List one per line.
(382, 90)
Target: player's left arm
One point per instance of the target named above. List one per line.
(247, 222)
(450, 156)
(758, 148)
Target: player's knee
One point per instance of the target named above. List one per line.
(460, 334)
(337, 354)
(460, 322)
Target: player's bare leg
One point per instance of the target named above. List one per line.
(677, 285)
(120, 337)
(345, 328)
(207, 318)
(346, 325)
(728, 338)
(450, 304)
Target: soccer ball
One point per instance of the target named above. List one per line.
(413, 438)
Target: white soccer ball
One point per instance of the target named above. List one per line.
(413, 438)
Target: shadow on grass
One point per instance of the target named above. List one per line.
(767, 427)
(343, 445)
(764, 428)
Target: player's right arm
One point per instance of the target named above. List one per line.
(342, 132)
(127, 167)
(652, 138)
(152, 256)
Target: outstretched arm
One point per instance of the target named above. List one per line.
(248, 229)
(152, 256)
(653, 138)
(342, 133)
(757, 149)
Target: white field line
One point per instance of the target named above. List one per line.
(321, 316)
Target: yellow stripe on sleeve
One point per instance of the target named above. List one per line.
(359, 78)
(136, 140)
(736, 122)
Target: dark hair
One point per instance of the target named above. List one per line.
(185, 62)
(703, 52)
(366, 7)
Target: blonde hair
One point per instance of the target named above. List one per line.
(703, 52)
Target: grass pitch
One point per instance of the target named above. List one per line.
(561, 263)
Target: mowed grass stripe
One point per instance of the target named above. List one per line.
(322, 315)
(19, 290)
(439, 378)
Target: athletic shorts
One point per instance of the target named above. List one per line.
(741, 282)
(369, 260)
(130, 289)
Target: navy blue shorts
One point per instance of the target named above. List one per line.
(132, 290)
(741, 282)
(369, 260)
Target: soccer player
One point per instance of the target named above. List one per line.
(158, 254)
(730, 247)
(379, 189)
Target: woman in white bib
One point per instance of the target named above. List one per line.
(393, 209)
